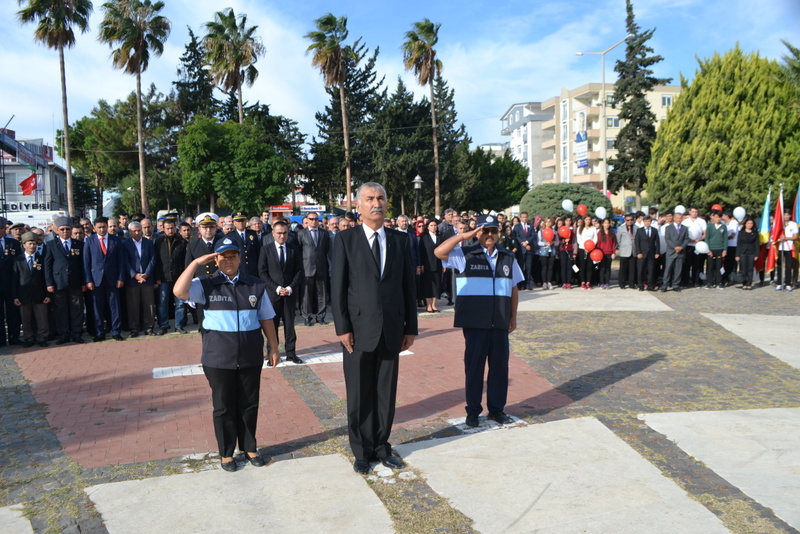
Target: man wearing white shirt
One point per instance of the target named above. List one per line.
(694, 262)
(786, 252)
(733, 233)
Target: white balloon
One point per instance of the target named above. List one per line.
(600, 212)
(680, 209)
(739, 213)
(701, 247)
(695, 232)
(567, 205)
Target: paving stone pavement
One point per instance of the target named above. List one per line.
(84, 415)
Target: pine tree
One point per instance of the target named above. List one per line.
(195, 90)
(730, 135)
(638, 132)
(456, 173)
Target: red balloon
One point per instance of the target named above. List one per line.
(548, 235)
(582, 209)
(564, 232)
(596, 254)
(588, 245)
(717, 207)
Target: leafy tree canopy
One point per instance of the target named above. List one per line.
(546, 199)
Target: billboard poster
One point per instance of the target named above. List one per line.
(581, 141)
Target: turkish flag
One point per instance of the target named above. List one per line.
(28, 185)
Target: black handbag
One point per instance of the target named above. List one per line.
(738, 276)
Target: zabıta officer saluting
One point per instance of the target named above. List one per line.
(236, 311)
(486, 309)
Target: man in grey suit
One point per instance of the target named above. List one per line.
(314, 244)
(373, 297)
(677, 237)
(627, 257)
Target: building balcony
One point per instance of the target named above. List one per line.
(550, 143)
(593, 133)
(549, 125)
(549, 163)
(594, 111)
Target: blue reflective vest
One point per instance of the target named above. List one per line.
(484, 297)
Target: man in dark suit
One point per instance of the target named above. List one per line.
(9, 313)
(64, 276)
(314, 245)
(170, 252)
(205, 244)
(248, 242)
(677, 237)
(526, 235)
(104, 274)
(29, 292)
(140, 263)
(373, 297)
(281, 267)
(647, 245)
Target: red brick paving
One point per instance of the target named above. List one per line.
(106, 407)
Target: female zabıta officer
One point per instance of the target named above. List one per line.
(236, 311)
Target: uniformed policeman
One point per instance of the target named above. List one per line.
(486, 309)
(248, 242)
(237, 310)
(204, 245)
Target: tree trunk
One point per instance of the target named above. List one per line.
(402, 203)
(99, 194)
(140, 136)
(212, 202)
(241, 107)
(437, 198)
(67, 154)
(346, 133)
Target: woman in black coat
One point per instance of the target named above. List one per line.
(747, 246)
(431, 265)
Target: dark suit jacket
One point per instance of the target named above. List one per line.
(427, 258)
(315, 257)
(269, 269)
(170, 263)
(522, 235)
(28, 286)
(99, 267)
(675, 239)
(366, 303)
(134, 264)
(645, 246)
(196, 249)
(413, 243)
(61, 270)
(11, 249)
(250, 250)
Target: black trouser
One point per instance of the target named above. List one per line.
(314, 299)
(141, 304)
(9, 313)
(605, 270)
(784, 268)
(547, 268)
(284, 312)
(646, 267)
(482, 344)
(234, 395)
(371, 383)
(526, 265)
(729, 264)
(713, 276)
(585, 265)
(627, 266)
(746, 263)
(565, 258)
(68, 312)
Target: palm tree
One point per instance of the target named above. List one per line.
(419, 55)
(137, 30)
(331, 59)
(231, 51)
(56, 19)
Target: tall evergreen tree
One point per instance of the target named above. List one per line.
(457, 174)
(638, 132)
(790, 70)
(731, 134)
(195, 89)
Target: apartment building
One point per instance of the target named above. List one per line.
(523, 124)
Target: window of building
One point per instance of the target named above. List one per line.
(565, 174)
(564, 152)
(612, 122)
(609, 99)
(666, 101)
(611, 143)
(564, 131)
(564, 109)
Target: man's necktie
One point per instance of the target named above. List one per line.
(376, 251)
(282, 258)
(210, 245)
(30, 263)
(103, 244)
(66, 247)
(314, 237)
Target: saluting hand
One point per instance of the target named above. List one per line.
(202, 260)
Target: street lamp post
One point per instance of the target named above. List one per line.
(603, 125)
(417, 181)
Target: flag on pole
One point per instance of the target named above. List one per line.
(763, 234)
(28, 185)
(777, 233)
(796, 210)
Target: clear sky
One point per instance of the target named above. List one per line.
(495, 53)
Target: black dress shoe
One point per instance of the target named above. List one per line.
(15, 341)
(361, 467)
(392, 462)
(97, 339)
(473, 421)
(27, 344)
(500, 417)
(163, 331)
(43, 344)
(149, 332)
(118, 338)
(309, 321)
(62, 340)
(322, 321)
(663, 289)
(77, 339)
(294, 359)
(256, 461)
(230, 467)
(133, 334)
